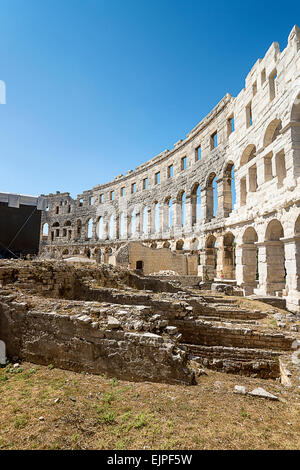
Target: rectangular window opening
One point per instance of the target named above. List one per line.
(214, 140)
(183, 163)
(249, 119)
(198, 153)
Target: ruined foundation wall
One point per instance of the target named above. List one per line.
(69, 343)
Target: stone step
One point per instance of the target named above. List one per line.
(239, 321)
(242, 361)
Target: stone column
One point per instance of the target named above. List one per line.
(207, 264)
(129, 225)
(246, 267)
(188, 213)
(138, 224)
(149, 221)
(221, 198)
(160, 223)
(116, 227)
(270, 268)
(220, 257)
(106, 229)
(165, 217)
(125, 236)
(292, 266)
(176, 214)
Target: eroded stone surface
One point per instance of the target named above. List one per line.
(67, 315)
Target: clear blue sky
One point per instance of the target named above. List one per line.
(97, 87)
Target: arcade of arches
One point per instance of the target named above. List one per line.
(228, 193)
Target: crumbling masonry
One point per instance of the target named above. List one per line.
(182, 200)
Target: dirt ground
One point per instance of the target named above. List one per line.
(47, 408)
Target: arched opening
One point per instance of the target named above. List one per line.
(153, 245)
(111, 227)
(272, 132)
(196, 203)
(249, 260)
(122, 225)
(275, 274)
(45, 231)
(229, 256)
(211, 196)
(145, 220)
(229, 196)
(248, 154)
(99, 228)
(90, 228)
(166, 245)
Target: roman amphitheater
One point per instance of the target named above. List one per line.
(223, 203)
(192, 259)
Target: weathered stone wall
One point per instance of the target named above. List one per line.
(71, 343)
(263, 149)
(207, 334)
(103, 319)
(155, 260)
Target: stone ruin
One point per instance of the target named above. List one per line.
(176, 215)
(112, 321)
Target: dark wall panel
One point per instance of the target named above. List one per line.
(11, 221)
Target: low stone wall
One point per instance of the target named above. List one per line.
(65, 280)
(241, 361)
(207, 334)
(78, 344)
